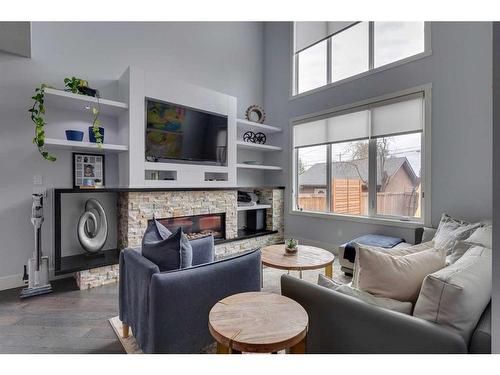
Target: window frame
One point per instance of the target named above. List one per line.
(371, 57)
(372, 217)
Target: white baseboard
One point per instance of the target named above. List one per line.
(12, 281)
(16, 281)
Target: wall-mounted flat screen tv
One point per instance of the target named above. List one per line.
(175, 133)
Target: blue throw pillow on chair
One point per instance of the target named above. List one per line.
(155, 231)
(168, 254)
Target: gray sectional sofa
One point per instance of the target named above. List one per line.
(343, 324)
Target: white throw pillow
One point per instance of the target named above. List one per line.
(482, 236)
(396, 277)
(451, 230)
(386, 303)
(395, 251)
(456, 296)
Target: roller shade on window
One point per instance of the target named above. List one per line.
(309, 33)
(403, 116)
(341, 128)
(400, 115)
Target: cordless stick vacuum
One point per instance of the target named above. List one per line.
(38, 266)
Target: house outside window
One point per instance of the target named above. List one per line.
(326, 53)
(368, 160)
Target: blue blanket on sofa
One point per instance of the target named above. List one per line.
(370, 240)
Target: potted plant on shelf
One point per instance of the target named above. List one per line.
(81, 86)
(291, 246)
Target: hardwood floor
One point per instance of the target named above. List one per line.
(66, 321)
(73, 321)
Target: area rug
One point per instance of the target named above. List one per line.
(131, 347)
(128, 343)
(271, 284)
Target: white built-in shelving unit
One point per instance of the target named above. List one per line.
(123, 121)
(254, 207)
(63, 144)
(245, 125)
(76, 102)
(257, 147)
(259, 166)
(257, 126)
(68, 111)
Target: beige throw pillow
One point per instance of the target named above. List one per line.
(395, 251)
(396, 277)
(386, 303)
(456, 296)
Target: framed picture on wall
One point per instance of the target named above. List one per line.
(88, 171)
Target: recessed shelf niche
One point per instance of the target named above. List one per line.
(160, 175)
(216, 176)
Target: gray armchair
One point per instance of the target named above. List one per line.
(168, 311)
(342, 324)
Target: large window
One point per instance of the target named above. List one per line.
(312, 185)
(312, 67)
(362, 161)
(329, 52)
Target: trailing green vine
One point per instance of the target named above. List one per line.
(36, 112)
(96, 123)
(77, 86)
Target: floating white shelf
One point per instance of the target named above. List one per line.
(257, 147)
(256, 207)
(83, 103)
(258, 166)
(63, 144)
(262, 127)
(163, 166)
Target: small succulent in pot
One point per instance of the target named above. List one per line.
(291, 246)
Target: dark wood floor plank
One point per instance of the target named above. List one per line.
(65, 321)
(41, 331)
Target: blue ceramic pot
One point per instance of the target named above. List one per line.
(74, 135)
(92, 136)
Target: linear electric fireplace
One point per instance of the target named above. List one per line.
(197, 226)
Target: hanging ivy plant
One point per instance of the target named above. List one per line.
(36, 112)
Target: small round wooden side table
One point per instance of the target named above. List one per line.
(306, 258)
(258, 322)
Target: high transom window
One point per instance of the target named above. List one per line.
(366, 160)
(329, 52)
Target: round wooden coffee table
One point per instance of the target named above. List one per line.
(306, 258)
(258, 322)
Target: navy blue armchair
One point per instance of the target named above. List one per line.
(168, 311)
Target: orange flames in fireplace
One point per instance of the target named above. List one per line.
(197, 226)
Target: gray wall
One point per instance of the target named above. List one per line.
(460, 72)
(496, 187)
(15, 37)
(226, 57)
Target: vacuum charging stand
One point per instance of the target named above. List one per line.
(38, 265)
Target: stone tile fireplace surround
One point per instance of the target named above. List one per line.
(135, 208)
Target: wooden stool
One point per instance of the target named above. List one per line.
(258, 322)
